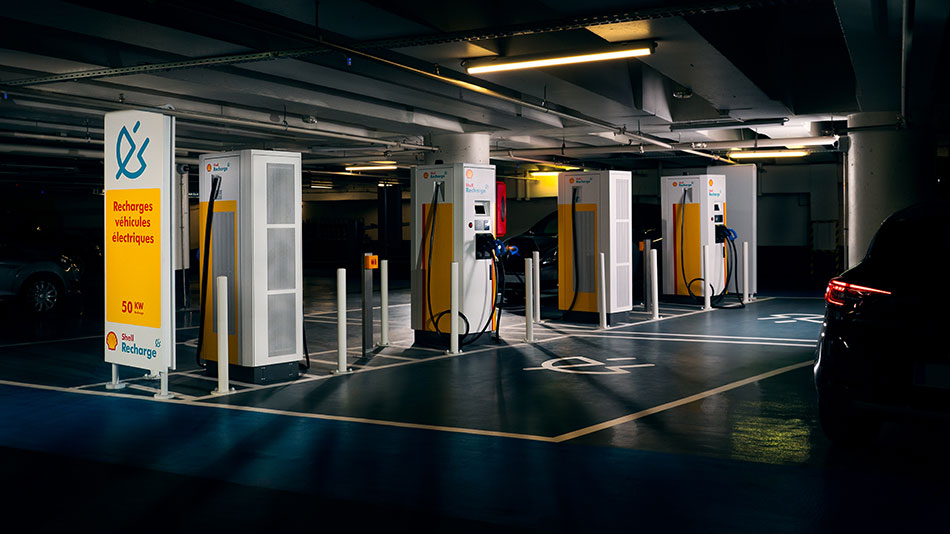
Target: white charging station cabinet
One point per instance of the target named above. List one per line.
(692, 207)
(453, 216)
(256, 243)
(597, 207)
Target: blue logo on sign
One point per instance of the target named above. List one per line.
(124, 161)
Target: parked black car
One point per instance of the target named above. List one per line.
(37, 272)
(542, 236)
(882, 348)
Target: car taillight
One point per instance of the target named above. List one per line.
(840, 293)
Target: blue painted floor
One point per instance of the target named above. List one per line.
(701, 422)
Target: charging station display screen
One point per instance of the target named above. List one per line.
(481, 209)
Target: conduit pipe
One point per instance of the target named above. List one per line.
(638, 149)
(82, 153)
(38, 95)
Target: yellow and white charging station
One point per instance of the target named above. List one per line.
(453, 215)
(594, 217)
(692, 208)
(255, 241)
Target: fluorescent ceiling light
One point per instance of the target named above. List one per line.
(372, 168)
(748, 154)
(538, 174)
(383, 162)
(498, 64)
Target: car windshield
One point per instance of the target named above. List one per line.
(546, 226)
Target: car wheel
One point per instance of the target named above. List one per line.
(40, 294)
(844, 424)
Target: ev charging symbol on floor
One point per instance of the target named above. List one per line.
(559, 365)
(780, 318)
(124, 161)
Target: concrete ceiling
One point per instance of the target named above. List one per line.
(360, 80)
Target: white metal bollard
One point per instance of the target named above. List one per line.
(745, 272)
(647, 295)
(528, 301)
(221, 294)
(602, 293)
(654, 285)
(707, 298)
(536, 263)
(454, 309)
(384, 302)
(341, 320)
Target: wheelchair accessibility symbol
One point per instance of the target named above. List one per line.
(563, 365)
(780, 318)
(124, 161)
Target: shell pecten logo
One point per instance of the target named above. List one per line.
(425, 175)
(469, 174)
(571, 180)
(112, 340)
(710, 181)
(209, 167)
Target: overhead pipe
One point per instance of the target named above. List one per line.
(639, 149)
(207, 117)
(82, 153)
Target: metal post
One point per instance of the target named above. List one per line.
(602, 293)
(528, 301)
(367, 310)
(163, 392)
(647, 295)
(341, 320)
(654, 285)
(536, 290)
(707, 298)
(454, 308)
(221, 294)
(745, 272)
(384, 303)
(115, 384)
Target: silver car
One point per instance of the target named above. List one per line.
(36, 274)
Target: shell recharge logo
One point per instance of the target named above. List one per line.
(123, 161)
(217, 167)
(112, 340)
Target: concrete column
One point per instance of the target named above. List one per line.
(460, 148)
(887, 171)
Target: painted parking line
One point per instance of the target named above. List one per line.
(677, 403)
(82, 338)
(333, 312)
(440, 428)
(809, 345)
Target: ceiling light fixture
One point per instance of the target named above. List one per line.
(498, 64)
(538, 174)
(749, 154)
(372, 168)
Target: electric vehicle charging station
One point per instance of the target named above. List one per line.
(453, 216)
(594, 217)
(694, 216)
(255, 240)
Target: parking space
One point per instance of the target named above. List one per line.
(576, 380)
